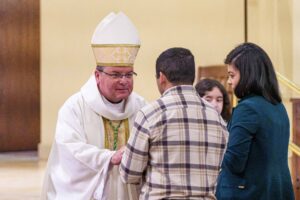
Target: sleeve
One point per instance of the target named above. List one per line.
(72, 142)
(242, 129)
(135, 157)
(74, 164)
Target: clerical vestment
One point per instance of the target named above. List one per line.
(79, 163)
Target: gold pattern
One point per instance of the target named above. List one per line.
(115, 64)
(115, 55)
(123, 133)
(115, 45)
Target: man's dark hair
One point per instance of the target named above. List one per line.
(178, 65)
(257, 74)
(207, 85)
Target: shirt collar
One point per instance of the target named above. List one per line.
(178, 89)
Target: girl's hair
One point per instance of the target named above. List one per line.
(257, 74)
(206, 85)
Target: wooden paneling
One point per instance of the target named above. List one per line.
(296, 139)
(19, 74)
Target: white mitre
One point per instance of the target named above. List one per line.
(115, 41)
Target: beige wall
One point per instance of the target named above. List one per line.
(270, 26)
(208, 28)
(296, 41)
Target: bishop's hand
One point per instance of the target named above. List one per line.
(117, 157)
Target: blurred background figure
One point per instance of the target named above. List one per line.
(215, 93)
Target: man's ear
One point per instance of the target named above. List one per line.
(162, 78)
(97, 74)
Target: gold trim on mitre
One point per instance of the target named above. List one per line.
(114, 64)
(115, 54)
(115, 45)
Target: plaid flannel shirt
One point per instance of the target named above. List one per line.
(176, 147)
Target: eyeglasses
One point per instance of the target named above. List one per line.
(119, 75)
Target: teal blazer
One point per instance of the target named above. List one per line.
(255, 164)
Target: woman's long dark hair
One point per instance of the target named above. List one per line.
(257, 74)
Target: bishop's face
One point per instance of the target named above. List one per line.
(115, 83)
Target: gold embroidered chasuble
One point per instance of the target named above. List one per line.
(116, 133)
(80, 143)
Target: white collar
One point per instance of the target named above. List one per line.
(117, 107)
(93, 98)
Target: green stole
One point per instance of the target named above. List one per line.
(116, 133)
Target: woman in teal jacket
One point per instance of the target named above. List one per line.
(255, 164)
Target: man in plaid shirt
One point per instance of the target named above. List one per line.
(177, 143)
